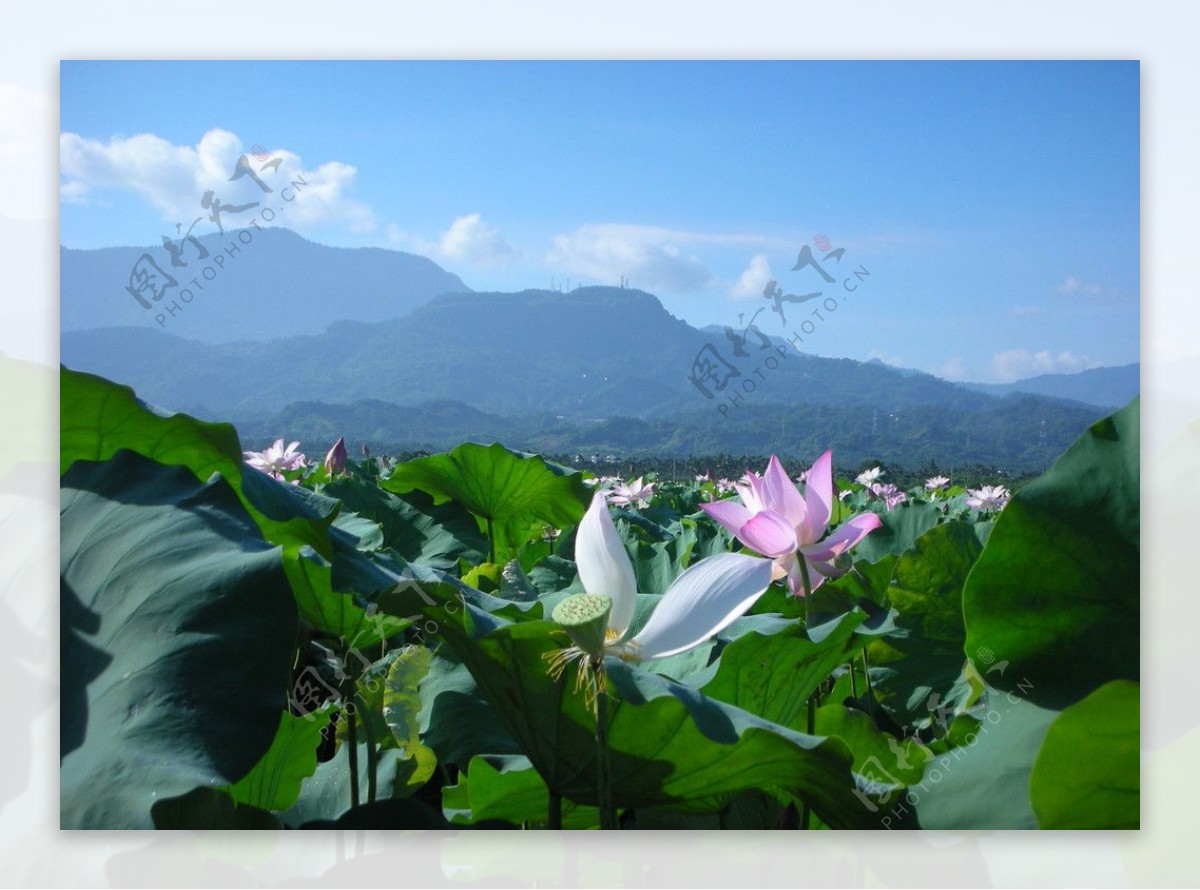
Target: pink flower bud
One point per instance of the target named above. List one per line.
(335, 460)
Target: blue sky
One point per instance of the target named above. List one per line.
(995, 204)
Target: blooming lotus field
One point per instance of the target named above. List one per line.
(486, 639)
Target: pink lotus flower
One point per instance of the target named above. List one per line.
(775, 520)
(276, 460)
(933, 483)
(890, 494)
(635, 494)
(990, 497)
(724, 485)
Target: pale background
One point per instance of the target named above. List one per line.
(33, 38)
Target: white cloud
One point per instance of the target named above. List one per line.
(1073, 284)
(953, 368)
(27, 126)
(1017, 364)
(650, 257)
(752, 281)
(472, 240)
(174, 178)
(895, 361)
(1070, 285)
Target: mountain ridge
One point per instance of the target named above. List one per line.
(275, 274)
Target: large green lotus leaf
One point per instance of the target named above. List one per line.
(924, 658)
(901, 527)
(177, 639)
(1087, 774)
(657, 561)
(325, 795)
(322, 544)
(555, 573)
(455, 719)
(322, 562)
(1055, 593)
(670, 745)
(983, 783)
(774, 675)
(334, 612)
(412, 815)
(210, 809)
(877, 755)
(507, 488)
(274, 782)
(99, 418)
(508, 788)
(413, 526)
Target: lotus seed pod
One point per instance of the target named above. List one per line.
(584, 617)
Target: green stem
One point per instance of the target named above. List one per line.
(372, 754)
(554, 820)
(352, 741)
(491, 541)
(807, 590)
(853, 681)
(870, 688)
(608, 816)
(812, 727)
(804, 580)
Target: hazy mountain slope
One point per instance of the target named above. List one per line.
(1104, 387)
(277, 284)
(588, 354)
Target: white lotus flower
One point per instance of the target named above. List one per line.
(274, 461)
(702, 601)
(635, 494)
(988, 498)
(867, 477)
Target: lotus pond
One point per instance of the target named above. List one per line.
(485, 639)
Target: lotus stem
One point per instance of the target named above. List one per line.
(372, 754)
(807, 591)
(352, 738)
(608, 816)
(811, 725)
(554, 818)
(870, 688)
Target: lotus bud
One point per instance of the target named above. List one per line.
(335, 460)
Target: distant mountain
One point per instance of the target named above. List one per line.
(589, 354)
(597, 368)
(1103, 387)
(259, 284)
